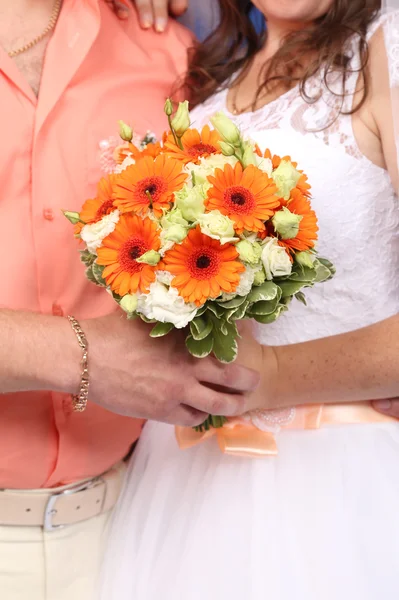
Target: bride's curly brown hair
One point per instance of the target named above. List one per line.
(320, 47)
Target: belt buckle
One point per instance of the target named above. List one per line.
(51, 511)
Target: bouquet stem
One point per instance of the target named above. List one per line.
(211, 421)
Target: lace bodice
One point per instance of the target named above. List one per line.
(353, 198)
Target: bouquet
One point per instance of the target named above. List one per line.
(200, 231)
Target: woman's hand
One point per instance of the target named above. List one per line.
(262, 359)
(152, 13)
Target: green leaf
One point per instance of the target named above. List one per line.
(225, 347)
(326, 263)
(290, 288)
(301, 297)
(323, 273)
(234, 303)
(264, 307)
(87, 257)
(200, 348)
(235, 314)
(267, 319)
(161, 329)
(266, 291)
(93, 275)
(201, 311)
(200, 328)
(217, 310)
(303, 274)
(143, 318)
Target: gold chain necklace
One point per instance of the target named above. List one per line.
(50, 26)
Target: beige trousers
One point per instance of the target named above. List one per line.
(59, 565)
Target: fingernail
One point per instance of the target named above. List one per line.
(160, 24)
(383, 404)
(146, 21)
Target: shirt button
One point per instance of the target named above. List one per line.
(57, 310)
(48, 214)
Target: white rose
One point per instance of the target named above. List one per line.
(217, 226)
(94, 233)
(125, 164)
(275, 259)
(164, 304)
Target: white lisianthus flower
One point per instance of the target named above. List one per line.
(264, 164)
(129, 160)
(93, 234)
(246, 282)
(207, 167)
(247, 279)
(163, 304)
(164, 277)
(275, 259)
(217, 226)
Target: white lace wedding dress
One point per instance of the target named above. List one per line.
(321, 520)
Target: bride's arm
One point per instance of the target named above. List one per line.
(356, 366)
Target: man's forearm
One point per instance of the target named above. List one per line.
(37, 352)
(362, 365)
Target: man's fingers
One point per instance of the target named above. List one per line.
(212, 402)
(388, 407)
(160, 8)
(145, 12)
(234, 376)
(119, 7)
(186, 416)
(178, 7)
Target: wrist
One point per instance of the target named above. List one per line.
(270, 388)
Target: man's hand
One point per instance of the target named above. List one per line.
(152, 13)
(134, 375)
(388, 407)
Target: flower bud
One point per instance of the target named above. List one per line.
(168, 108)
(73, 217)
(125, 132)
(249, 157)
(181, 121)
(305, 259)
(226, 128)
(226, 149)
(149, 258)
(129, 303)
(260, 277)
(286, 223)
(250, 252)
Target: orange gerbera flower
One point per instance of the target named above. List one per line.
(195, 145)
(132, 237)
(247, 196)
(128, 149)
(307, 234)
(203, 268)
(151, 182)
(302, 185)
(95, 209)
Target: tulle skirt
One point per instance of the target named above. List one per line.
(318, 522)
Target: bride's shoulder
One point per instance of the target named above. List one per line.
(383, 63)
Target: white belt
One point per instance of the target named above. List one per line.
(54, 509)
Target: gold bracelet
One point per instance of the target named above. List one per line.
(80, 400)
